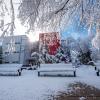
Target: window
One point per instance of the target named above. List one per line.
(6, 62)
(15, 62)
(17, 43)
(6, 52)
(16, 52)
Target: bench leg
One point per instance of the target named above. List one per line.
(74, 73)
(97, 73)
(19, 73)
(95, 68)
(38, 73)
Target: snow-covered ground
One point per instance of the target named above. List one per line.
(31, 87)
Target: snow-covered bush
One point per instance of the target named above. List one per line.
(95, 54)
(80, 50)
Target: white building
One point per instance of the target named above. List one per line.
(16, 49)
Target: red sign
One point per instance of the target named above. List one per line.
(51, 41)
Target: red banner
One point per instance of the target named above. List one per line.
(51, 41)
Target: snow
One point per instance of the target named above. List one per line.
(57, 69)
(31, 87)
(54, 67)
(82, 98)
(97, 64)
(10, 67)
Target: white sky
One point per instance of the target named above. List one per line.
(20, 30)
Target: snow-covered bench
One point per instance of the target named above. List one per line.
(57, 72)
(30, 67)
(97, 68)
(10, 69)
(27, 67)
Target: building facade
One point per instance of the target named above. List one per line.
(49, 42)
(16, 49)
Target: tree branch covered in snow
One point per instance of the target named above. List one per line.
(7, 18)
(51, 15)
(45, 14)
(12, 17)
(28, 11)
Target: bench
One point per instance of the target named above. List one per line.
(27, 67)
(57, 72)
(97, 68)
(30, 67)
(10, 69)
(98, 72)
